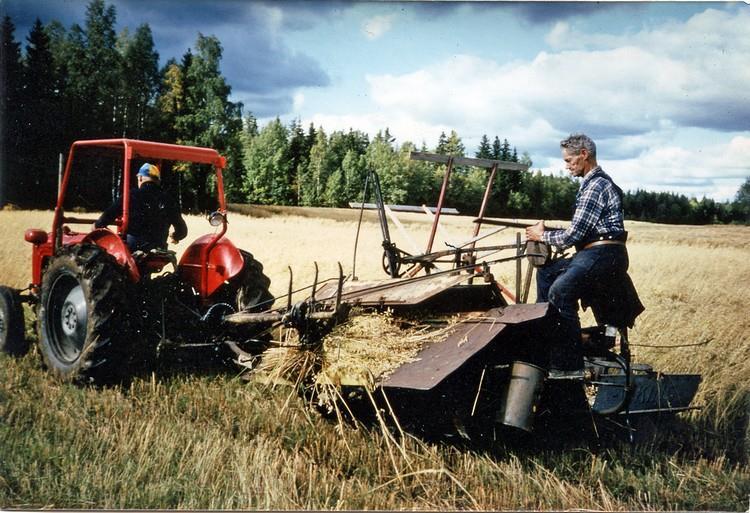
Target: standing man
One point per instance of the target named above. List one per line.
(152, 211)
(598, 233)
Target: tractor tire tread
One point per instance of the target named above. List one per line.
(107, 351)
(12, 335)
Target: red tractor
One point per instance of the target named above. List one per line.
(102, 309)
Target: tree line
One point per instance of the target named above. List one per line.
(88, 82)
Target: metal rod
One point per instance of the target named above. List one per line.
(441, 199)
(527, 281)
(519, 253)
(485, 200)
(513, 224)
(359, 225)
(663, 410)
(60, 160)
(399, 283)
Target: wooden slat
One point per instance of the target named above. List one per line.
(513, 224)
(467, 161)
(402, 208)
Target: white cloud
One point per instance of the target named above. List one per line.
(298, 101)
(559, 34)
(716, 170)
(636, 91)
(639, 95)
(376, 26)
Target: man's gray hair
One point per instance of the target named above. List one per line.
(574, 143)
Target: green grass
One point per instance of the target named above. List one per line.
(210, 440)
(214, 441)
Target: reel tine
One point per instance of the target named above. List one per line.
(289, 293)
(340, 287)
(315, 284)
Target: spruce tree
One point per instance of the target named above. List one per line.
(42, 141)
(100, 80)
(485, 150)
(497, 148)
(209, 119)
(11, 110)
(139, 85)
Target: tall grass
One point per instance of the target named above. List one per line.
(215, 442)
(210, 439)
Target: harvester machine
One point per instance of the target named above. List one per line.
(487, 372)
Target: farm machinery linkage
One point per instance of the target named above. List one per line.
(103, 311)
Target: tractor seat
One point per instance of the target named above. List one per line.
(153, 261)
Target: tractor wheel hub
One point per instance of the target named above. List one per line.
(73, 313)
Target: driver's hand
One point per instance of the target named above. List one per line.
(172, 239)
(535, 232)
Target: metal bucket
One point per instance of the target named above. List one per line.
(524, 389)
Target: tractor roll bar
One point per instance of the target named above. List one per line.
(133, 148)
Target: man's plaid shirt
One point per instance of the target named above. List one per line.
(598, 211)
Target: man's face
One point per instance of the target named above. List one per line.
(575, 162)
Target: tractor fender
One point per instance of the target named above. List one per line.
(224, 262)
(114, 245)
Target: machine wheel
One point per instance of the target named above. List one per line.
(85, 324)
(12, 339)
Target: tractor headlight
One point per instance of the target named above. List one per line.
(216, 219)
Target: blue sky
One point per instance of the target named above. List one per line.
(663, 87)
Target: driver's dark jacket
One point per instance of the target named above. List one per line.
(152, 212)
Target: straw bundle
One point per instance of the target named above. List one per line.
(372, 345)
(367, 347)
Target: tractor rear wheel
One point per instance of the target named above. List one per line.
(12, 338)
(252, 286)
(247, 291)
(86, 329)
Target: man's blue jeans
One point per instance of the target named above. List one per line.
(563, 282)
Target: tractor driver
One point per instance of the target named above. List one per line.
(152, 212)
(598, 233)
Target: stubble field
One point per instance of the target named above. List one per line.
(212, 440)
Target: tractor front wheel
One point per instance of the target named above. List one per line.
(12, 338)
(85, 324)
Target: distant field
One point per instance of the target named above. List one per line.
(212, 441)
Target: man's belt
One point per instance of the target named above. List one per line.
(611, 237)
(603, 242)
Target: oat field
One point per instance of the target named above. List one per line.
(207, 439)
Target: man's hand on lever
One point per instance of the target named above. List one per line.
(535, 231)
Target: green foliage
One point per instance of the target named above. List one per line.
(10, 112)
(97, 72)
(86, 82)
(140, 82)
(38, 151)
(209, 119)
(485, 150)
(268, 176)
(312, 178)
(742, 202)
